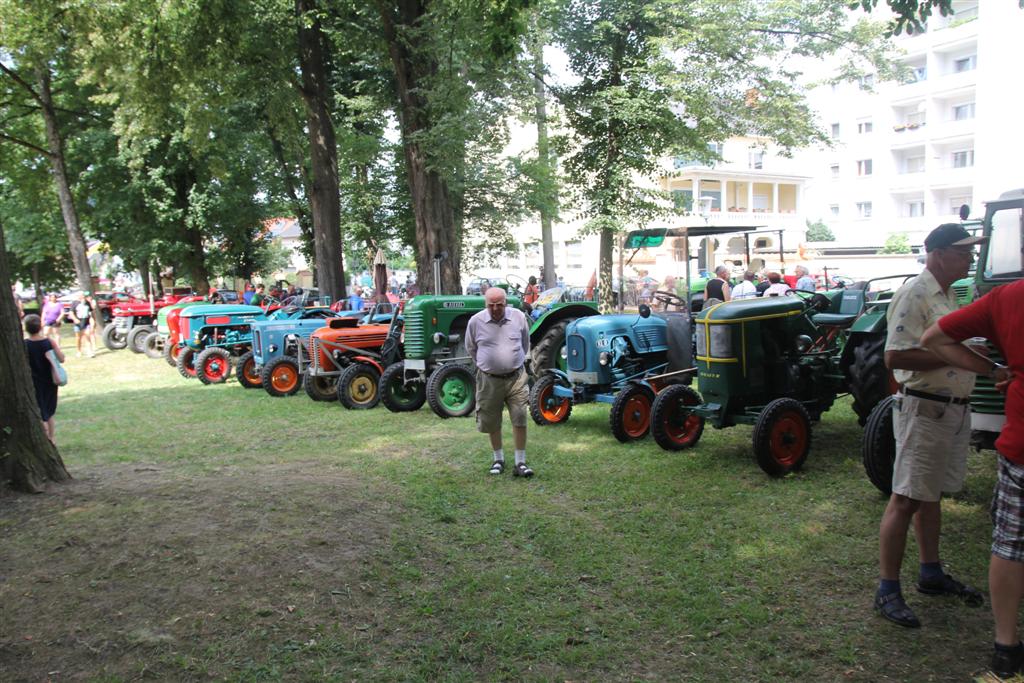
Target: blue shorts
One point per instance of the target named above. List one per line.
(82, 326)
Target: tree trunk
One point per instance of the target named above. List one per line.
(605, 298)
(324, 196)
(27, 458)
(544, 157)
(146, 281)
(435, 227)
(195, 262)
(55, 144)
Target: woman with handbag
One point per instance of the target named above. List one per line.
(44, 359)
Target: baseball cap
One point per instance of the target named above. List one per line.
(951, 235)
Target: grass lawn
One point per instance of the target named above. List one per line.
(220, 533)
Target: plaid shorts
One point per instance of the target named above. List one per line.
(1008, 512)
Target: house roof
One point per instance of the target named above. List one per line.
(283, 227)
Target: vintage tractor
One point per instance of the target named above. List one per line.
(155, 345)
(623, 360)
(757, 363)
(133, 321)
(277, 342)
(1001, 261)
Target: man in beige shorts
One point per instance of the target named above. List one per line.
(931, 423)
(498, 340)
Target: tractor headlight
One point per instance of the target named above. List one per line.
(272, 348)
(721, 341)
(604, 358)
(802, 343)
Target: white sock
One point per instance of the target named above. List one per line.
(520, 456)
(499, 455)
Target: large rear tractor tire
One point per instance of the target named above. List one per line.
(281, 376)
(213, 366)
(136, 338)
(154, 345)
(398, 396)
(630, 417)
(878, 446)
(320, 387)
(113, 338)
(545, 407)
(673, 424)
(547, 354)
(451, 391)
(186, 363)
(869, 378)
(359, 387)
(248, 375)
(782, 437)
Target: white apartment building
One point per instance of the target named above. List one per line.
(907, 155)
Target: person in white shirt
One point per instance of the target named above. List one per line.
(778, 287)
(745, 289)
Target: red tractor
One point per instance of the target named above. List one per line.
(134, 321)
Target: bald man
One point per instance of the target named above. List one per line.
(498, 339)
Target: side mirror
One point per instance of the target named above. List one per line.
(645, 311)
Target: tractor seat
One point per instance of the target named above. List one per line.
(850, 306)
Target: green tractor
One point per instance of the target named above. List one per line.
(1001, 261)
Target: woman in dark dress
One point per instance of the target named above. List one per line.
(36, 347)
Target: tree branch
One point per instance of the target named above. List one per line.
(20, 81)
(24, 143)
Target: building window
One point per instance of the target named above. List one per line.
(835, 131)
(864, 127)
(716, 148)
(915, 119)
(834, 170)
(956, 202)
(833, 209)
(762, 243)
(915, 209)
(864, 167)
(574, 254)
(913, 165)
(962, 112)
(963, 158)
(920, 74)
(867, 82)
(968, 63)
(679, 249)
(756, 159)
(683, 200)
(864, 209)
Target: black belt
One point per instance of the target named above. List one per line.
(507, 375)
(934, 397)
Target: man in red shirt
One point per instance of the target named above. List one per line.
(999, 317)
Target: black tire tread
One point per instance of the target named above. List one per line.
(268, 371)
(348, 375)
(309, 386)
(186, 357)
(545, 381)
(868, 376)
(242, 360)
(542, 356)
(206, 354)
(618, 411)
(762, 431)
(661, 412)
(394, 373)
(112, 339)
(878, 446)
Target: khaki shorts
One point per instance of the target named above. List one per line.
(932, 439)
(493, 393)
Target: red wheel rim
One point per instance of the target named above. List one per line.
(636, 418)
(216, 368)
(190, 363)
(788, 439)
(682, 431)
(249, 370)
(284, 378)
(552, 408)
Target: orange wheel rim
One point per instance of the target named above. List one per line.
(249, 370)
(788, 439)
(682, 431)
(284, 378)
(636, 418)
(553, 408)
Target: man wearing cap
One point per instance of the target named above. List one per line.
(931, 423)
(498, 340)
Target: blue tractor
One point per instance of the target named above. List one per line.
(623, 360)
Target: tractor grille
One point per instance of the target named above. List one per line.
(257, 344)
(576, 350)
(985, 398)
(647, 339)
(415, 341)
(123, 323)
(314, 356)
(963, 294)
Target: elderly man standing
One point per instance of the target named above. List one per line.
(931, 423)
(498, 339)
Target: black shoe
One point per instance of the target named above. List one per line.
(947, 585)
(521, 470)
(894, 608)
(1007, 663)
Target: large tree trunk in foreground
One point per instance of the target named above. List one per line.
(27, 458)
(436, 230)
(324, 197)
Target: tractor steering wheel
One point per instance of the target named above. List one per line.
(669, 299)
(516, 283)
(269, 301)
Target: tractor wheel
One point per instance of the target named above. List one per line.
(782, 437)
(358, 387)
(673, 425)
(213, 366)
(136, 338)
(630, 417)
(451, 391)
(545, 407)
(878, 446)
(154, 345)
(320, 387)
(547, 354)
(869, 378)
(397, 396)
(248, 375)
(186, 363)
(281, 376)
(113, 338)
(171, 352)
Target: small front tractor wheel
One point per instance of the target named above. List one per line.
(547, 354)
(171, 352)
(545, 407)
(213, 366)
(358, 387)
(136, 338)
(113, 338)
(281, 376)
(397, 395)
(248, 375)
(868, 375)
(878, 446)
(630, 418)
(154, 345)
(186, 363)
(782, 437)
(451, 391)
(674, 425)
(320, 387)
